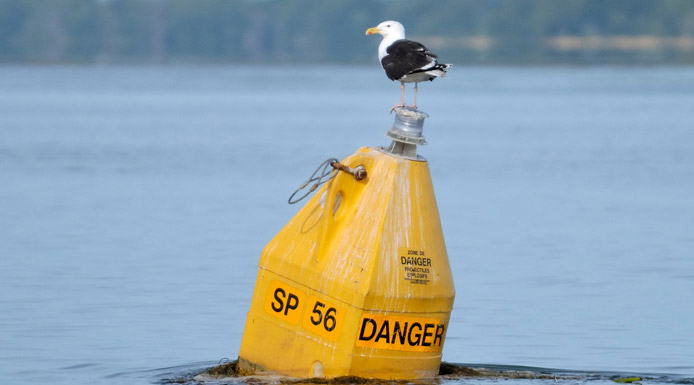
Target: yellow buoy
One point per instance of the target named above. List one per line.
(358, 282)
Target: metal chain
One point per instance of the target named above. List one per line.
(323, 171)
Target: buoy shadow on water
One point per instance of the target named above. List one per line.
(229, 373)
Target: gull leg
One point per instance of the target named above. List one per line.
(414, 105)
(402, 97)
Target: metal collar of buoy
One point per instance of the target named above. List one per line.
(407, 132)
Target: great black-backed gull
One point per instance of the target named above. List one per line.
(405, 60)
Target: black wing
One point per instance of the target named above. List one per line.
(405, 57)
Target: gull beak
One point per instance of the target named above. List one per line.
(372, 30)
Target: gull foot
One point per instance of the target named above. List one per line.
(396, 106)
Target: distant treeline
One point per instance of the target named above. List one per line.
(332, 31)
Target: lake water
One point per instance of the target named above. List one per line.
(134, 203)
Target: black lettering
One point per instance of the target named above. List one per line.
(409, 335)
(400, 333)
(418, 261)
(279, 300)
(291, 305)
(427, 334)
(330, 318)
(363, 328)
(384, 332)
(317, 312)
(438, 336)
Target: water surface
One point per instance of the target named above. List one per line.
(134, 204)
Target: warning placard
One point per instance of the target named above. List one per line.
(401, 333)
(317, 315)
(416, 265)
(285, 302)
(323, 318)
